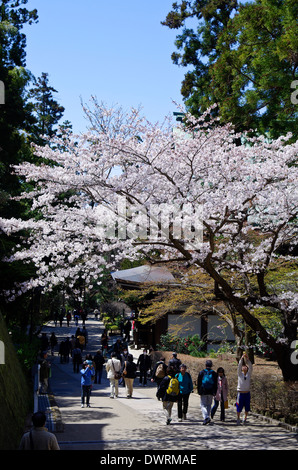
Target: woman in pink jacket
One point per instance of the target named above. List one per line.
(221, 394)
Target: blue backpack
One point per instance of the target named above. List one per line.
(208, 383)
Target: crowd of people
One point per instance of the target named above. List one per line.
(174, 383)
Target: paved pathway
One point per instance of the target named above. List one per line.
(139, 423)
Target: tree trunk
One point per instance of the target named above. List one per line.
(285, 362)
(250, 340)
(283, 352)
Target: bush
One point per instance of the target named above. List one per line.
(191, 345)
(27, 350)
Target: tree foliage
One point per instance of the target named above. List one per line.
(242, 56)
(244, 195)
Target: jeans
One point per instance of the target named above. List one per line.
(222, 409)
(206, 402)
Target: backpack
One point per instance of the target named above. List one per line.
(160, 373)
(173, 387)
(208, 380)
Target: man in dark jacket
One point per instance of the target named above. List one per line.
(99, 362)
(207, 387)
(175, 363)
(144, 364)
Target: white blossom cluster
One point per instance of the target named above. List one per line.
(235, 190)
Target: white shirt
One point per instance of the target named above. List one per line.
(112, 366)
(244, 380)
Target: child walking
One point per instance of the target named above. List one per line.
(221, 394)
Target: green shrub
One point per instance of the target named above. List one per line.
(191, 345)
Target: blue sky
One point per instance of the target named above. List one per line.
(116, 50)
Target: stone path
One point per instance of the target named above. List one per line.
(139, 423)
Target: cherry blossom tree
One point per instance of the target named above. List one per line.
(197, 193)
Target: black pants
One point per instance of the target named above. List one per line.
(182, 404)
(85, 393)
(76, 366)
(222, 408)
(143, 374)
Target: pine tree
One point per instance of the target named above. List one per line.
(47, 110)
(242, 56)
(16, 122)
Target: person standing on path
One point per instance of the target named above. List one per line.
(45, 372)
(113, 367)
(207, 387)
(185, 389)
(53, 342)
(144, 364)
(129, 372)
(104, 343)
(86, 381)
(76, 358)
(243, 387)
(221, 394)
(99, 362)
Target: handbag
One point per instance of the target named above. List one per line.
(226, 404)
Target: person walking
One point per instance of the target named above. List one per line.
(185, 389)
(221, 394)
(39, 438)
(144, 364)
(53, 342)
(244, 372)
(126, 330)
(113, 367)
(76, 358)
(175, 363)
(159, 372)
(207, 387)
(82, 340)
(62, 352)
(72, 344)
(168, 392)
(99, 362)
(104, 343)
(86, 381)
(129, 373)
(44, 342)
(44, 372)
